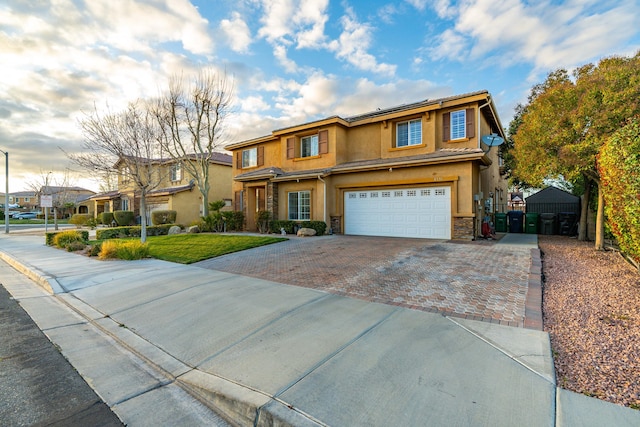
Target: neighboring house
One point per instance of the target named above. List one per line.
(177, 190)
(415, 170)
(27, 200)
(66, 200)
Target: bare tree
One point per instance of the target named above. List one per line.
(127, 143)
(192, 116)
(59, 187)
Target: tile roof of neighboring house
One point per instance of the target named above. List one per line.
(170, 190)
(441, 155)
(109, 195)
(216, 157)
(22, 194)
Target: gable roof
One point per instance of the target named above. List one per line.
(552, 195)
(386, 113)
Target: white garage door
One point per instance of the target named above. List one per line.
(413, 212)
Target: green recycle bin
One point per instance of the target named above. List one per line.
(501, 222)
(531, 223)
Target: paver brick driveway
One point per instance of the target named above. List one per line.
(478, 280)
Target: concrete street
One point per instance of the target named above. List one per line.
(168, 344)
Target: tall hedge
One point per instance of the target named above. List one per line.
(618, 164)
(163, 217)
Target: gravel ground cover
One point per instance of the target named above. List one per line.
(591, 310)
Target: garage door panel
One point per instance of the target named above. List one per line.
(414, 212)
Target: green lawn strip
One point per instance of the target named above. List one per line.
(190, 248)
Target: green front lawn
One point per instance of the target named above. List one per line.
(190, 248)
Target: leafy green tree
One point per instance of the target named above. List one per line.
(619, 164)
(567, 120)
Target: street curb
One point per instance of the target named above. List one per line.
(48, 283)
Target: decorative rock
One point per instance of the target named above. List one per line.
(305, 232)
(175, 230)
(193, 229)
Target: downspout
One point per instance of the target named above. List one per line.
(324, 205)
(477, 223)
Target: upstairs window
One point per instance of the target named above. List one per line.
(309, 146)
(176, 172)
(409, 133)
(251, 157)
(458, 125)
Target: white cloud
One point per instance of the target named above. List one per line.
(544, 34)
(353, 43)
(237, 33)
(280, 53)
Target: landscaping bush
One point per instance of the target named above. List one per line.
(92, 223)
(79, 219)
(133, 231)
(95, 249)
(262, 221)
(234, 220)
(124, 249)
(124, 218)
(71, 240)
(276, 225)
(49, 237)
(160, 217)
(319, 226)
(106, 218)
(619, 163)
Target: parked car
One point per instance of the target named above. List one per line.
(26, 215)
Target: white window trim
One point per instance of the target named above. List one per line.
(458, 130)
(409, 142)
(299, 214)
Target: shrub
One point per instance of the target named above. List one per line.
(66, 239)
(124, 218)
(106, 218)
(163, 217)
(132, 231)
(234, 220)
(319, 226)
(618, 164)
(76, 246)
(95, 249)
(79, 219)
(92, 223)
(277, 225)
(124, 249)
(262, 221)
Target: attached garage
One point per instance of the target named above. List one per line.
(412, 212)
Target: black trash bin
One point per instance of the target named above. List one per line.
(515, 221)
(548, 224)
(568, 223)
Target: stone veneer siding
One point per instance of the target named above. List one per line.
(463, 228)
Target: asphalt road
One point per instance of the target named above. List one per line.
(38, 386)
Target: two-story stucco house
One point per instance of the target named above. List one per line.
(415, 170)
(177, 189)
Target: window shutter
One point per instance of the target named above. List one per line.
(239, 160)
(323, 141)
(260, 155)
(446, 126)
(291, 148)
(237, 200)
(471, 123)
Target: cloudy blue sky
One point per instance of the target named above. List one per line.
(291, 60)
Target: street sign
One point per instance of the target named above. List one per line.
(46, 201)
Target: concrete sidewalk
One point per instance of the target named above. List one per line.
(145, 333)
